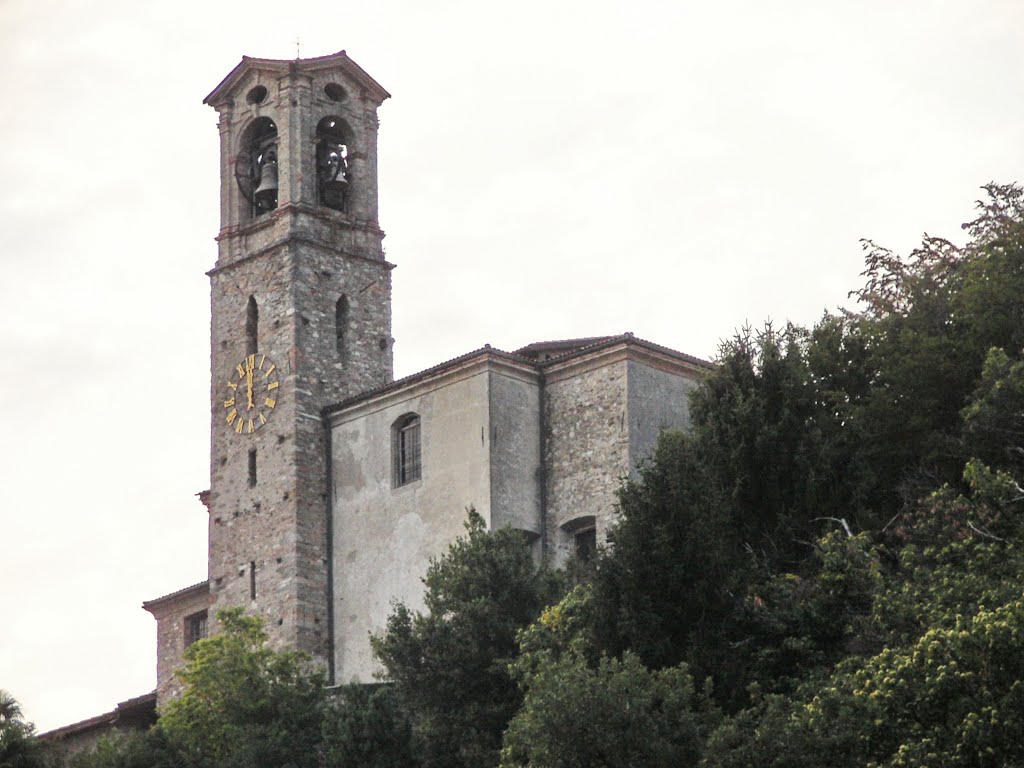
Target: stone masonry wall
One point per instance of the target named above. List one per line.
(277, 528)
(587, 449)
(268, 534)
(170, 640)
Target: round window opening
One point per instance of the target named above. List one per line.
(335, 92)
(256, 95)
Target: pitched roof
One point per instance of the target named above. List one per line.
(530, 356)
(202, 586)
(139, 711)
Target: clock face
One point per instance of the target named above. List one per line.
(251, 394)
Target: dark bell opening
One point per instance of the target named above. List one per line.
(256, 166)
(333, 144)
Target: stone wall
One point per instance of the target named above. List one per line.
(587, 447)
(604, 410)
(268, 487)
(271, 535)
(171, 613)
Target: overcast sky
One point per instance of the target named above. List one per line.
(548, 170)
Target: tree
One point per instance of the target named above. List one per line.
(364, 727)
(135, 749)
(930, 674)
(450, 665)
(245, 704)
(952, 698)
(616, 714)
(994, 418)
(667, 588)
(18, 749)
(583, 709)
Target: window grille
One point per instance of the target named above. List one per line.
(195, 627)
(406, 441)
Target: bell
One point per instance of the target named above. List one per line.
(265, 195)
(337, 166)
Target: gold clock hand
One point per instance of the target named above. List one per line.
(248, 381)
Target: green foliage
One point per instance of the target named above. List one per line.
(450, 665)
(666, 588)
(565, 627)
(364, 727)
(922, 664)
(761, 432)
(954, 697)
(18, 749)
(617, 714)
(133, 749)
(244, 704)
(791, 625)
(994, 418)
(951, 563)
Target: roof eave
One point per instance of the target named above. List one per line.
(223, 91)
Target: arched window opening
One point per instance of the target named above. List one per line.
(405, 450)
(341, 325)
(581, 535)
(333, 155)
(252, 326)
(256, 166)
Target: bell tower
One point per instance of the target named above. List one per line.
(301, 319)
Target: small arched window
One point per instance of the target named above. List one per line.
(341, 325)
(252, 326)
(405, 450)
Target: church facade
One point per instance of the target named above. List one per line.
(331, 484)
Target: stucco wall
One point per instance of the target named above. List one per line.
(384, 537)
(515, 452)
(658, 400)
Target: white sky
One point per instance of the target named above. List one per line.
(548, 170)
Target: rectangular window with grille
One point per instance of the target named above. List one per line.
(406, 450)
(195, 627)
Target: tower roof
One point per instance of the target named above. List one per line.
(225, 89)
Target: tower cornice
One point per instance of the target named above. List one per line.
(223, 94)
(296, 222)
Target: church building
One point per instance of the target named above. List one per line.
(332, 484)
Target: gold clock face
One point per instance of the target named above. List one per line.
(252, 394)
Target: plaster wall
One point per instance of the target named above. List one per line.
(515, 452)
(383, 537)
(656, 399)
